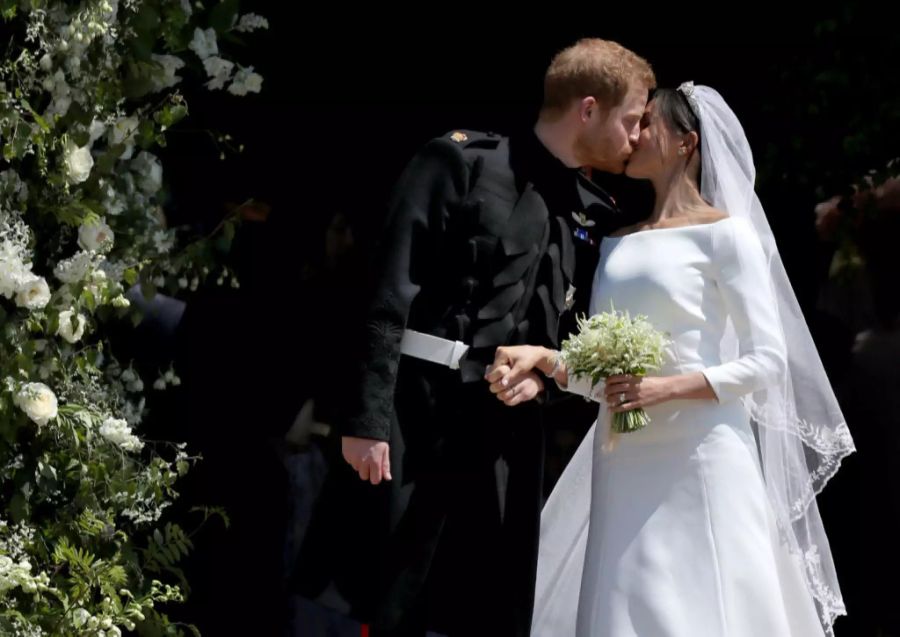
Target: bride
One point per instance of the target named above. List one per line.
(705, 521)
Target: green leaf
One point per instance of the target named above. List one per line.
(40, 120)
(18, 507)
(170, 115)
(8, 9)
(130, 276)
(223, 15)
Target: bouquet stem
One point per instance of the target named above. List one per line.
(629, 421)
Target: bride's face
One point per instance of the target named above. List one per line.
(656, 151)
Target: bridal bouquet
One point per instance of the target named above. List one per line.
(612, 343)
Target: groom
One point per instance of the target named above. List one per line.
(488, 239)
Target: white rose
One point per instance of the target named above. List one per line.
(38, 402)
(79, 163)
(149, 172)
(246, 81)
(66, 329)
(204, 43)
(186, 7)
(96, 237)
(117, 431)
(218, 70)
(34, 293)
(46, 62)
(121, 301)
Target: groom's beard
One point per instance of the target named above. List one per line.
(595, 153)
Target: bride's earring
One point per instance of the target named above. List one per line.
(682, 150)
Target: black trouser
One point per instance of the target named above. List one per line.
(463, 559)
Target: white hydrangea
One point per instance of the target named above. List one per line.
(76, 268)
(117, 431)
(96, 130)
(38, 402)
(219, 71)
(13, 185)
(169, 67)
(246, 81)
(80, 617)
(164, 241)
(149, 172)
(204, 43)
(61, 95)
(251, 22)
(122, 132)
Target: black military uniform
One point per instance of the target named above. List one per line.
(483, 237)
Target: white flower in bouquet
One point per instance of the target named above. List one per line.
(246, 81)
(75, 268)
(219, 71)
(71, 326)
(204, 43)
(120, 301)
(37, 401)
(79, 162)
(187, 8)
(613, 343)
(169, 66)
(96, 236)
(149, 172)
(117, 431)
(250, 22)
(33, 293)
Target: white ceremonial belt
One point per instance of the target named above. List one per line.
(433, 348)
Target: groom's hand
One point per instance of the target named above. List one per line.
(526, 388)
(520, 361)
(371, 459)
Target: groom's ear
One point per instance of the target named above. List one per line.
(588, 107)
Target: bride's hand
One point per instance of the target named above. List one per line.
(626, 392)
(527, 388)
(520, 360)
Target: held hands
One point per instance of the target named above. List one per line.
(512, 377)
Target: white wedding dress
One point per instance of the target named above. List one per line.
(668, 530)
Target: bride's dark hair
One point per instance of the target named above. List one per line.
(673, 107)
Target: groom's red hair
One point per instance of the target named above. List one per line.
(593, 67)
